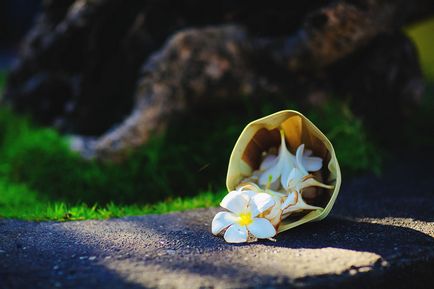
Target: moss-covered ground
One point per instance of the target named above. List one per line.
(40, 178)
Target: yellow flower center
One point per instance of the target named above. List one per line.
(245, 219)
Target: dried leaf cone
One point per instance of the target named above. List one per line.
(264, 134)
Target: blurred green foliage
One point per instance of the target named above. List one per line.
(2, 81)
(41, 178)
(354, 147)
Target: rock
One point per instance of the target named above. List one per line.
(86, 74)
(76, 58)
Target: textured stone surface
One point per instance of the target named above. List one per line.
(86, 74)
(380, 235)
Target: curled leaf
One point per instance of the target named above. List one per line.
(288, 131)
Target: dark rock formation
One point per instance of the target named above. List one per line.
(88, 65)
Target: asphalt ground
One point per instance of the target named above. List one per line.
(380, 234)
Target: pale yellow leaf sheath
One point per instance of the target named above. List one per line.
(258, 137)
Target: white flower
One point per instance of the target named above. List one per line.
(293, 203)
(275, 167)
(242, 220)
(299, 178)
(282, 165)
(274, 213)
(310, 163)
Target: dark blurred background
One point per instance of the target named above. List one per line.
(16, 18)
(38, 168)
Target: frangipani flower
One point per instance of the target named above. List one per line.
(283, 164)
(262, 156)
(274, 213)
(312, 164)
(275, 167)
(294, 202)
(299, 178)
(243, 219)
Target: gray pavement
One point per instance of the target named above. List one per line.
(380, 235)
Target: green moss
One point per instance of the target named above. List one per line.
(181, 162)
(20, 202)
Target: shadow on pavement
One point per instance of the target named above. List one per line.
(178, 249)
(386, 220)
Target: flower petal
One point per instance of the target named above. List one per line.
(311, 182)
(282, 164)
(221, 221)
(268, 162)
(312, 164)
(287, 174)
(235, 201)
(275, 221)
(294, 181)
(274, 214)
(261, 228)
(273, 173)
(260, 203)
(300, 205)
(275, 211)
(236, 234)
(299, 159)
(247, 194)
(290, 200)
